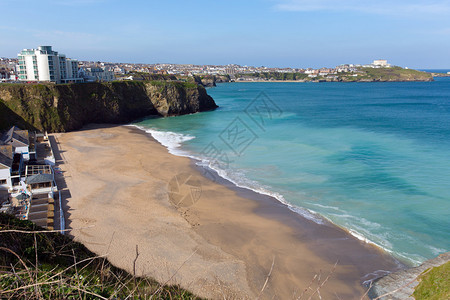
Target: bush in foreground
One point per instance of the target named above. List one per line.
(35, 264)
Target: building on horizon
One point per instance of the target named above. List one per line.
(381, 63)
(96, 74)
(44, 64)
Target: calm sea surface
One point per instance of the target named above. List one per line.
(373, 158)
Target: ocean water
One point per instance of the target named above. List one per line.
(445, 71)
(373, 158)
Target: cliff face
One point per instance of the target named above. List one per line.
(171, 99)
(65, 107)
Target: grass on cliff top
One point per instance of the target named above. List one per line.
(36, 264)
(434, 285)
(395, 73)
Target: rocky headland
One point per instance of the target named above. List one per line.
(392, 74)
(66, 107)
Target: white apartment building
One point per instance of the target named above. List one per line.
(44, 64)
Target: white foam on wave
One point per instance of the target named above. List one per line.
(412, 259)
(364, 239)
(326, 206)
(242, 181)
(364, 230)
(171, 140)
(360, 233)
(436, 251)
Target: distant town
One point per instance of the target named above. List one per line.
(43, 64)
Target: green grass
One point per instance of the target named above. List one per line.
(434, 285)
(395, 73)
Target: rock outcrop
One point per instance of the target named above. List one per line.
(173, 98)
(66, 107)
(401, 284)
(211, 80)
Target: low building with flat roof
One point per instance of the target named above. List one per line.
(40, 179)
(96, 74)
(381, 63)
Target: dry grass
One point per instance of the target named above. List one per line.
(37, 264)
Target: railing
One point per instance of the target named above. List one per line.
(62, 223)
(45, 190)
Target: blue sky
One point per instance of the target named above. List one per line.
(277, 33)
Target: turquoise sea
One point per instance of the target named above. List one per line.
(373, 158)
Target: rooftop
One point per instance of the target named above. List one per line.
(39, 178)
(6, 156)
(15, 137)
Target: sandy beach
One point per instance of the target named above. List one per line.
(124, 191)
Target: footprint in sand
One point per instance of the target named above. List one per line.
(87, 221)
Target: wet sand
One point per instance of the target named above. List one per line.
(125, 191)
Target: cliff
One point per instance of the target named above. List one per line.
(65, 107)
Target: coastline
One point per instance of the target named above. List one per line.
(228, 249)
(174, 147)
(323, 80)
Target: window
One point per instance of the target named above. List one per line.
(2, 181)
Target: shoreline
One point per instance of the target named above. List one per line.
(242, 236)
(316, 217)
(273, 202)
(326, 81)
